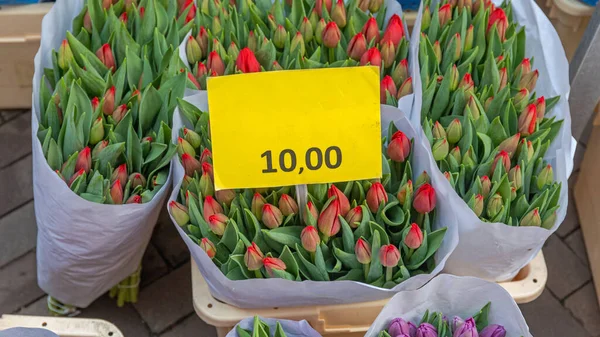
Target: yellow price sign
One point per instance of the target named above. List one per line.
(295, 127)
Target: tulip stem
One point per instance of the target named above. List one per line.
(366, 268)
(331, 55)
(409, 253)
(420, 219)
(389, 271)
(312, 256)
(258, 274)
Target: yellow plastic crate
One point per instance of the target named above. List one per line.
(63, 326)
(348, 320)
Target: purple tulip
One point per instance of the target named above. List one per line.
(399, 327)
(457, 322)
(426, 330)
(493, 330)
(468, 329)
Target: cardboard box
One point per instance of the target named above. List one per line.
(20, 30)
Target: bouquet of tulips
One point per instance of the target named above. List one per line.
(304, 34)
(258, 327)
(501, 146)
(382, 232)
(435, 324)
(474, 308)
(104, 102)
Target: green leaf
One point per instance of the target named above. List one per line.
(375, 269)
(348, 259)
(149, 107)
(315, 273)
(320, 262)
(287, 236)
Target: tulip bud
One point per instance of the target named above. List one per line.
(210, 207)
(424, 201)
(495, 205)
(246, 61)
(87, 22)
(109, 101)
(217, 223)
(454, 131)
(298, 42)
(498, 18)
(444, 15)
(119, 113)
(426, 19)
(319, 30)
(549, 221)
(515, 176)
(510, 144)
(206, 185)
(456, 323)
(84, 160)
(116, 192)
(253, 258)
(134, 199)
(375, 5)
(473, 108)
(503, 158)
(467, 84)
(545, 177)
(105, 55)
(469, 37)
(287, 205)
(440, 149)
(271, 216)
(331, 35)
(363, 5)
(405, 191)
(183, 146)
(306, 30)
(225, 196)
(205, 156)
(76, 175)
(455, 153)
(329, 222)
(179, 213)
(120, 174)
(371, 30)
(388, 53)
(529, 81)
(476, 204)
(438, 131)
(257, 205)
(488, 103)
(528, 120)
(202, 40)
(387, 86)
(65, 55)
(97, 131)
(414, 238)
(503, 78)
(341, 197)
(400, 327)
(458, 49)
(193, 50)
(215, 63)
(437, 50)
(311, 213)
(279, 37)
(192, 139)
(468, 329)
(399, 147)
(189, 17)
(406, 88)
(454, 78)
(190, 197)
(531, 219)
(314, 19)
(400, 72)
(540, 106)
(338, 13)
(469, 159)
(357, 46)
(233, 50)
(389, 256)
(362, 250)
(422, 179)
(273, 263)
(190, 164)
(372, 57)
(207, 169)
(98, 148)
(310, 238)
(493, 330)
(136, 179)
(208, 247)
(376, 196)
(486, 186)
(354, 217)
(319, 6)
(394, 31)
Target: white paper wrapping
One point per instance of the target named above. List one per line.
(263, 293)
(496, 251)
(454, 296)
(291, 328)
(83, 248)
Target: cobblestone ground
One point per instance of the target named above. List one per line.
(568, 306)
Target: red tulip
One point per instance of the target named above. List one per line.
(253, 257)
(134, 199)
(208, 247)
(215, 63)
(388, 53)
(341, 197)
(389, 256)
(310, 238)
(105, 55)
(498, 17)
(504, 158)
(445, 14)
(371, 30)
(75, 175)
(84, 160)
(424, 201)
(376, 195)
(271, 216)
(191, 165)
(540, 106)
(395, 30)
(116, 193)
(354, 216)
(287, 205)
(211, 207)
(357, 46)
(109, 101)
(319, 6)
(528, 120)
(362, 250)
(246, 61)
(273, 263)
(331, 35)
(399, 147)
(120, 174)
(217, 223)
(311, 210)
(372, 57)
(329, 222)
(414, 238)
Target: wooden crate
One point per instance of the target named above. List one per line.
(19, 41)
(63, 326)
(347, 320)
(587, 199)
